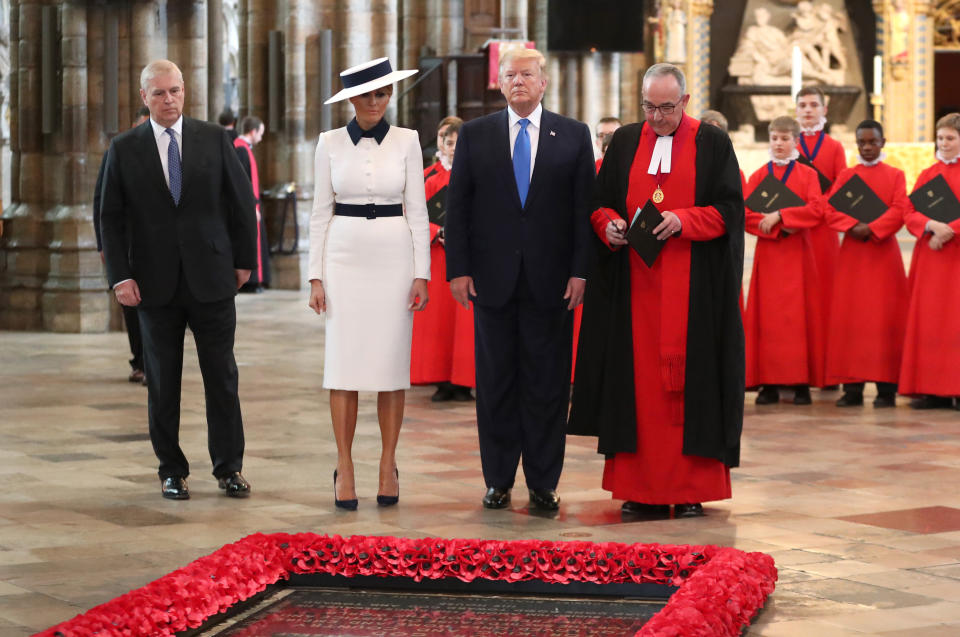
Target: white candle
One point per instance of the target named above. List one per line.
(796, 73)
(877, 75)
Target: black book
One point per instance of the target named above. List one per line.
(772, 195)
(855, 198)
(437, 207)
(936, 200)
(824, 182)
(640, 234)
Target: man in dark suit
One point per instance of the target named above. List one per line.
(517, 237)
(179, 237)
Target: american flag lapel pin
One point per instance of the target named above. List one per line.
(553, 133)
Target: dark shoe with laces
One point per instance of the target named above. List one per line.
(694, 510)
(801, 395)
(545, 499)
(768, 395)
(462, 394)
(850, 399)
(443, 394)
(175, 488)
(496, 498)
(884, 400)
(640, 508)
(234, 485)
(931, 402)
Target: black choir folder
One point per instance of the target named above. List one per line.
(772, 195)
(936, 200)
(640, 235)
(437, 207)
(857, 200)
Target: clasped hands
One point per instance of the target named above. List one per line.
(616, 230)
(942, 234)
(416, 299)
(128, 292)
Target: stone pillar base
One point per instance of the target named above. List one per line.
(75, 311)
(288, 271)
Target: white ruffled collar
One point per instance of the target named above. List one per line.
(876, 161)
(446, 163)
(783, 162)
(945, 160)
(816, 128)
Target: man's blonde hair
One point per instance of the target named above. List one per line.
(158, 67)
(520, 52)
(785, 124)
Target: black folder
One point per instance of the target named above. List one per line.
(855, 198)
(437, 207)
(936, 200)
(824, 182)
(640, 235)
(771, 195)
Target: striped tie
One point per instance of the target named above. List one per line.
(173, 166)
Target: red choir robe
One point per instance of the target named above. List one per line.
(261, 274)
(931, 349)
(782, 323)
(659, 472)
(432, 169)
(442, 344)
(827, 154)
(870, 296)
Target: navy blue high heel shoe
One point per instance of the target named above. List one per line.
(390, 500)
(347, 505)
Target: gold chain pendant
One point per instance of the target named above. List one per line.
(657, 195)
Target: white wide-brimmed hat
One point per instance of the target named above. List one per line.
(361, 78)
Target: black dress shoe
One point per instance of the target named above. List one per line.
(346, 505)
(931, 402)
(769, 395)
(462, 394)
(639, 508)
(390, 500)
(496, 498)
(443, 394)
(175, 488)
(801, 395)
(545, 499)
(850, 399)
(136, 376)
(885, 400)
(234, 485)
(688, 510)
(830, 388)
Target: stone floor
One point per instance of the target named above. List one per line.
(858, 507)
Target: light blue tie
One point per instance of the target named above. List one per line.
(521, 161)
(173, 166)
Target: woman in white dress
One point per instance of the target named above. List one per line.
(369, 266)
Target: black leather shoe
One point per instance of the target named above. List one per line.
(175, 488)
(688, 510)
(462, 394)
(801, 395)
(830, 388)
(850, 399)
(390, 500)
(769, 395)
(234, 485)
(443, 394)
(496, 498)
(545, 499)
(885, 400)
(639, 508)
(346, 505)
(931, 402)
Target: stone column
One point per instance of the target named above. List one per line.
(444, 26)
(413, 34)
(187, 43)
(905, 43)
(215, 76)
(697, 67)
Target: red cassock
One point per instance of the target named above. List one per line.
(828, 156)
(432, 170)
(442, 345)
(869, 304)
(659, 473)
(931, 349)
(782, 322)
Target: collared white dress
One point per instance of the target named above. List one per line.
(368, 265)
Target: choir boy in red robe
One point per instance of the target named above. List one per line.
(430, 170)
(827, 155)
(442, 346)
(660, 363)
(782, 324)
(250, 134)
(870, 296)
(930, 370)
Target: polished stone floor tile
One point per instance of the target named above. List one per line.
(935, 519)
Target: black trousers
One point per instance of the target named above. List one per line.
(213, 326)
(523, 363)
(132, 321)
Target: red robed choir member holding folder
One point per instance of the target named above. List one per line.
(868, 308)
(931, 352)
(782, 323)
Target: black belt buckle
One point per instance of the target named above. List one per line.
(371, 210)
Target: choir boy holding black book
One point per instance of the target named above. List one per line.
(931, 353)
(868, 307)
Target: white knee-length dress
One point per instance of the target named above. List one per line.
(367, 266)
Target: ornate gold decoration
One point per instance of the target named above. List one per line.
(946, 24)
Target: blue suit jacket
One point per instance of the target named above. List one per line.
(490, 237)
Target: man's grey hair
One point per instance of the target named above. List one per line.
(662, 69)
(155, 68)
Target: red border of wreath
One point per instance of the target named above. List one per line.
(720, 589)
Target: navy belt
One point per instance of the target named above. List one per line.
(369, 210)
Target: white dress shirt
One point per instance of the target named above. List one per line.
(163, 143)
(533, 129)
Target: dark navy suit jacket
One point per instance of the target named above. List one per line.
(491, 238)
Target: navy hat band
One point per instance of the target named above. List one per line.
(367, 75)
